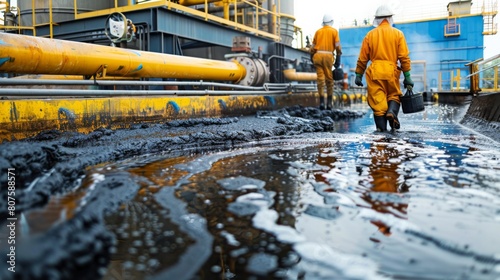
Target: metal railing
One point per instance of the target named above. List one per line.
(7, 20)
(486, 76)
(489, 74)
(248, 16)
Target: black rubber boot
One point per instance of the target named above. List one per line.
(380, 123)
(329, 102)
(392, 115)
(322, 102)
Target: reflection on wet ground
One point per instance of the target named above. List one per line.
(346, 204)
(366, 206)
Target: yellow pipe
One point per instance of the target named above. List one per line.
(34, 55)
(292, 75)
(495, 78)
(195, 2)
(33, 17)
(51, 23)
(274, 20)
(226, 9)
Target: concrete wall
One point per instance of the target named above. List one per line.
(483, 115)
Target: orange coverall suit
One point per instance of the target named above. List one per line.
(325, 41)
(384, 46)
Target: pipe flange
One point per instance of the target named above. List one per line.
(257, 72)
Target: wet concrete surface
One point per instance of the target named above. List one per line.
(292, 194)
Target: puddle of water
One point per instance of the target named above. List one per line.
(346, 205)
(330, 208)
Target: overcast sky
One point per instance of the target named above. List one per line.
(309, 14)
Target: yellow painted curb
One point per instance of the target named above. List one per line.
(21, 118)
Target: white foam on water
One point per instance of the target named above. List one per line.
(230, 238)
(265, 219)
(257, 199)
(349, 266)
(326, 259)
(241, 183)
(389, 220)
(249, 187)
(96, 178)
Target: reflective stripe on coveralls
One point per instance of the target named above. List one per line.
(384, 46)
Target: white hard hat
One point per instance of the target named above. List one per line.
(327, 18)
(384, 11)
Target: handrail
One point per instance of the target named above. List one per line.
(482, 70)
(169, 4)
(475, 77)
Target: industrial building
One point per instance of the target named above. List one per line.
(442, 48)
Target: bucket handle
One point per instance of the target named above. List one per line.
(409, 91)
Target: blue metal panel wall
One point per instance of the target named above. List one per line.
(428, 43)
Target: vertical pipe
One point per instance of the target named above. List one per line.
(235, 15)
(226, 6)
(439, 82)
(271, 6)
(50, 20)
(75, 8)
(425, 76)
(277, 19)
(452, 79)
(33, 17)
(495, 78)
(257, 16)
(206, 9)
(346, 81)
(226, 9)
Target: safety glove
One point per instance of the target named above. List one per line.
(407, 81)
(358, 81)
(337, 62)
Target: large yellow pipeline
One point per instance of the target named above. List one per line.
(34, 55)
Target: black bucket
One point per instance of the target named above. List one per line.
(412, 102)
(338, 74)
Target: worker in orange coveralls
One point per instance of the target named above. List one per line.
(384, 46)
(326, 40)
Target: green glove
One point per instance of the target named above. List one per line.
(407, 81)
(358, 81)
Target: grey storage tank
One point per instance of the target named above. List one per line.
(287, 19)
(62, 10)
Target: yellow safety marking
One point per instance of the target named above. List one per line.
(21, 118)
